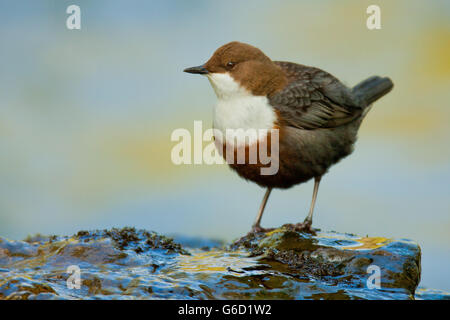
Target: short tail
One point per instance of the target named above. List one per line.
(372, 89)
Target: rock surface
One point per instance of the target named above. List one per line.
(282, 264)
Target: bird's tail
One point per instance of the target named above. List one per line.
(372, 89)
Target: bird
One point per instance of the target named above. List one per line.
(316, 115)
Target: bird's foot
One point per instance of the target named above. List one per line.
(305, 226)
(259, 229)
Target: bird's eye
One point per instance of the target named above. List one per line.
(230, 65)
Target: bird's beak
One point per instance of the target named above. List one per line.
(197, 70)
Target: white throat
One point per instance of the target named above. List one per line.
(237, 108)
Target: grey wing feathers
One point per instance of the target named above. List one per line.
(314, 99)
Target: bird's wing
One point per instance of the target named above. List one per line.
(314, 99)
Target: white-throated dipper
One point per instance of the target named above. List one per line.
(317, 116)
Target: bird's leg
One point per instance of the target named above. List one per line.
(306, 225)
(257, 225)
(308, 219)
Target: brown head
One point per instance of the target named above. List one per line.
(249, 68)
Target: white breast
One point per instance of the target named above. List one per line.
(237, 108)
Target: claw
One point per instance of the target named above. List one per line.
(304, 226)
(259, 229)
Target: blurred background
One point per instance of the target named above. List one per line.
(86, 118)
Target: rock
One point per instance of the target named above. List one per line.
(341, 262)
(137, 264)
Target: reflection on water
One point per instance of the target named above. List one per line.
(356, 243)
(214, 261)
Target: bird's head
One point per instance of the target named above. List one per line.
(237, 69)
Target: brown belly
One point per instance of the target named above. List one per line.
(301, 155)
(287, 175)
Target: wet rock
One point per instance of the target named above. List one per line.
(137, 264)
(342, 260)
